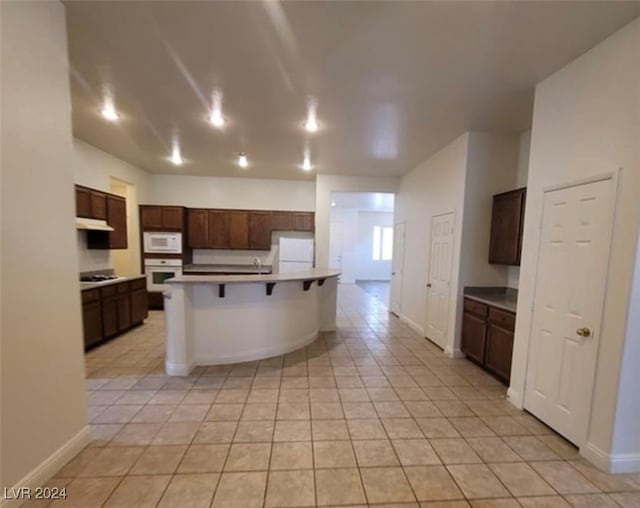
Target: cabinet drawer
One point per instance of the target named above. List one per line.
(138, 284)
(91, 295)
(502, 318)
(477, 308)
(108, 291)
(123, 288)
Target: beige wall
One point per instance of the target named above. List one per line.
(586, 123)
(217, 192)
(436, 186)
(42, 361)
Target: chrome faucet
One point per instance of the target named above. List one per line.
(257, 262)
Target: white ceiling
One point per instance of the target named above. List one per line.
(395, 81)
(363, 201)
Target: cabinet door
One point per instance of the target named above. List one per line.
(83, 202)
(110, 316)
(474, 333)
(98, 205)
(303, 221)
(260, 230)
(282, 221)
(139, 306)
(172, 217)
(117, 219)
(124, 312)
(219, 229)
(92, 323)
(499, 352)
(151, 217)
(506, 227)
(239, 230)
(197, 229)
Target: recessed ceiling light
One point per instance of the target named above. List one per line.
(243, 162)
(311, 123)
(306, 163)
(333, 203)
(216, 118)
(176, 156)
(108, 110)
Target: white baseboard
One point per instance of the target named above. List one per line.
(178, 369)
(412, 324)
(49, 467)
(453, 353)
(616, 463)
(515, 398)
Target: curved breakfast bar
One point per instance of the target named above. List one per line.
(218, 319)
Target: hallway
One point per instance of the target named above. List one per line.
(372, 414)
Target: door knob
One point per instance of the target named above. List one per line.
(429, 285)
(583, 332)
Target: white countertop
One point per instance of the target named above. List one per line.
(93, 285)
(318, 273)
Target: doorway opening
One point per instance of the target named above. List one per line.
(361, 240)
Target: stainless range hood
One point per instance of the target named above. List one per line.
(92, 224)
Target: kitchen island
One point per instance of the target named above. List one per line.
(219, 319)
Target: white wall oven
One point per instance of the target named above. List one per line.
(159, 270)
(162, 243)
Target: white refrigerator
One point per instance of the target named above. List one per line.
(295, 255)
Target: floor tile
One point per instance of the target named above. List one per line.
(329, 430)
(176, 433)
(563, 477)
(190, 491)
(248, 457)
(493, 449)
(215, 432)
(290, 488)
(386, 485)
(415, 452)
(377, 452)
(339, 487)
(112, 461)
(291, 455)
(333, 454)
(204, 458)
(293, 411)
(254, 432)
(455, 451)
(477, 481)
(159, 460)
(521, 480)
(240, 490)
(286, 430)
(138, 491)
(87, 492)
(437, 428)
(593, 501)
(400, 428)
(432, 483)
(366, 429)
(543, 502)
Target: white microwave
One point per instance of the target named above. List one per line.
(162, 243)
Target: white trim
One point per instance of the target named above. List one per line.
(453, 353)
(412, 324)
(178, 369)
(44, 471)
(515, 398)
(257, 354)
(617, 463)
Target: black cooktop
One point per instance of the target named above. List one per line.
(97, 278)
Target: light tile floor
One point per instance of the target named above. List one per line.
(371, 414)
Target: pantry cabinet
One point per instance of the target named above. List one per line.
(507, 224)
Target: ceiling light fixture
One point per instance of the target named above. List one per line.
(243, 162)
(108, 110)
(306, 164)
(216, 118)
(176, 156)
(311, 124)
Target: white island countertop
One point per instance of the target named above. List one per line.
(318, 273)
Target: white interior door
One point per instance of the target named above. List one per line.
(570, 286)
(335, 245)
(439, 277)
(397, 265)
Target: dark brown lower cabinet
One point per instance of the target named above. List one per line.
(474, 336)
(92, 323)
(499, 351)
(487, 337)
(113, 309)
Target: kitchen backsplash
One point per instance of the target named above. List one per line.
(90, 260)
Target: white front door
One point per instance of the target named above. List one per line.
(439, 278)
(569, 297)
(397, 265)
(335, 245)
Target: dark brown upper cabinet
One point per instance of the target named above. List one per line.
(282, 221)
(91, 203)
(303, 221)
(507, 223)
(197, 229)
(161, 218)
(94, 204)
(260, 230)
(238, 230)
(219, 229)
